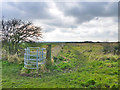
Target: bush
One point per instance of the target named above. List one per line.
(15, 59)
(4, 54)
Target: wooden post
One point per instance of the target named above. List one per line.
(118, 51)
(48, 55)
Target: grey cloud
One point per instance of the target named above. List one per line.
(26, 10)
(96, 35)
(86, 11)
(60, 24)
(82, 12)
(48, 29)
(103, 35)
(9, 11)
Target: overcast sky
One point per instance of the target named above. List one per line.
(68, 21)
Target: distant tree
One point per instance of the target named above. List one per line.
(15, 31)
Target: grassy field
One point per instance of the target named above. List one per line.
(76, 66)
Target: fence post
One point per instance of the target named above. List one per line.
(48, 55)
(118, 51)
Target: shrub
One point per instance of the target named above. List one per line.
(4, 54)
(15, 59)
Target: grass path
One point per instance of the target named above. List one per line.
(84, 72)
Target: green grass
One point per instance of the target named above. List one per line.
(83, 66)
(0, 74)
